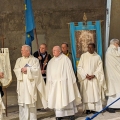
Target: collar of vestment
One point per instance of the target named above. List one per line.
(26, 57)
(57, 58)
(113, 46)
(91, 54)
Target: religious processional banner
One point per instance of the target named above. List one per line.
(5, 67)
(81, 35)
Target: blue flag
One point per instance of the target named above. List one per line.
(29, 23)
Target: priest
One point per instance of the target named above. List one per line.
(92, 81)
(30, 85)
(62, 91)
(112, 73)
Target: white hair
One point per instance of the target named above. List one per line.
(114, 41)
(27, 47)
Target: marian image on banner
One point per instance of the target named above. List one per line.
(83, 38)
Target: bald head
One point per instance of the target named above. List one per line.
(115, 42)
(56, 51)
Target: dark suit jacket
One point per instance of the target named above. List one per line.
(44, 61)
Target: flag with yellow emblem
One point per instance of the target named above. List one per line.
(29, 23)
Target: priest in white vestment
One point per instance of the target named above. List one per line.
(62, 91)
(92, 81)
(112, 73)
(30, 85)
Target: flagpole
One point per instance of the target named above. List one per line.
(29, 23)
(37, 44)
(35, 31)
(107, 31)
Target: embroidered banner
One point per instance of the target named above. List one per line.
(81, 35)
(5, 67)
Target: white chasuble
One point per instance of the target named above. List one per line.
(30, 86)
(92, 91)
(61, 83)
(112, 70)
(112, 73)
(5, 67)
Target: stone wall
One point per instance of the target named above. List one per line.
(51, 17)
(115, 20)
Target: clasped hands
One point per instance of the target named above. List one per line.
(89, 77)
(24, 70)
(1, 75)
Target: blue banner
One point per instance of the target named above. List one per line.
(73, 45)
(81, 26)
(29, 23)
(99, 38)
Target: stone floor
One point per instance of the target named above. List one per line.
(40, 114)
(49, 115)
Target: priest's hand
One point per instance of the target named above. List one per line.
(39, 57)
(43, 71)
(1, 75)
(24, 70)
(92, 76)
(88, 77)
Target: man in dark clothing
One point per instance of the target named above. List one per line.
(44, 58)
(64, 47)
